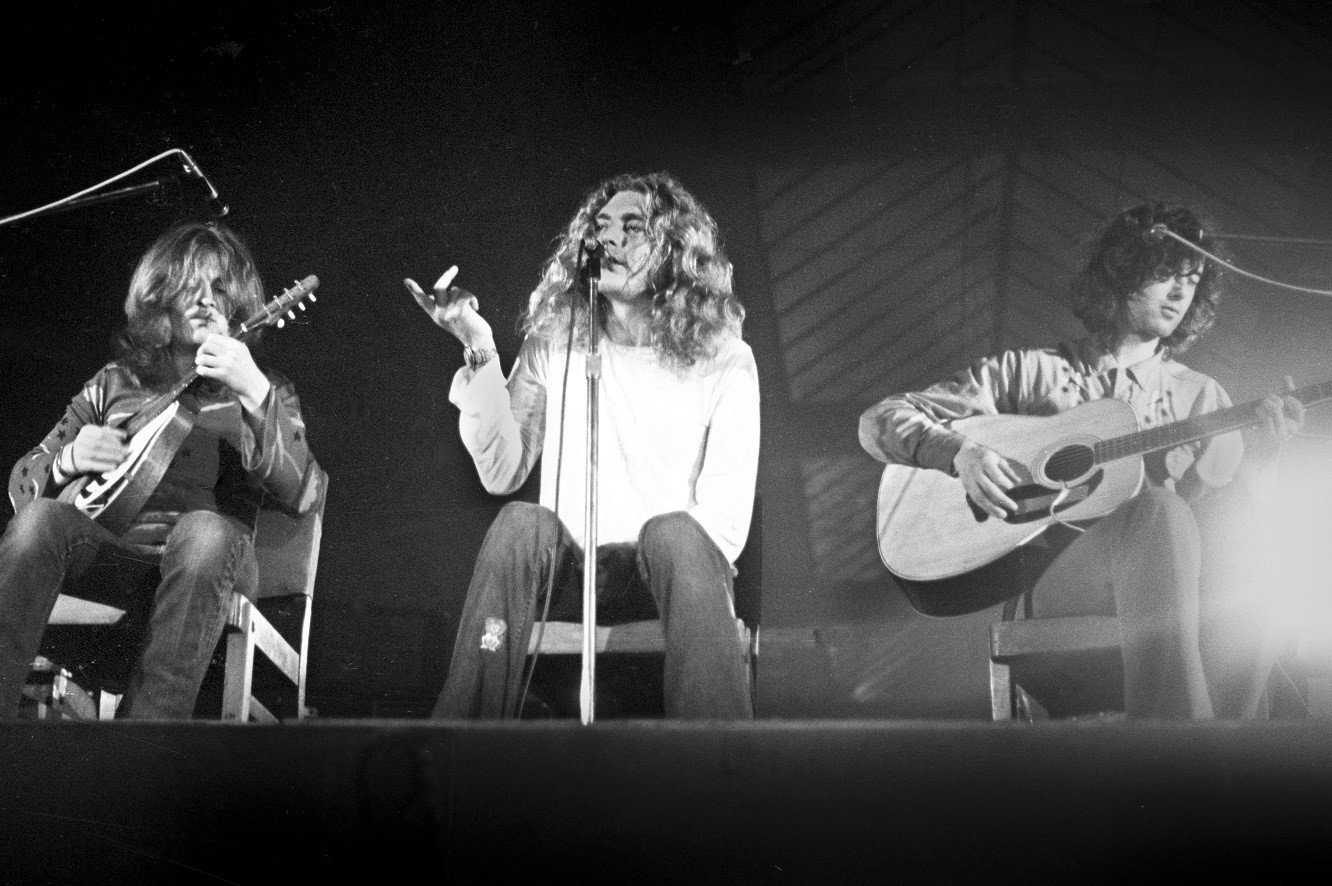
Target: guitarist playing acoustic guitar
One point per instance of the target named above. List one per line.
(1169, 556)
(243, 437)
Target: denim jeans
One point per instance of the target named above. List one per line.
(675, 572)
(206, 556)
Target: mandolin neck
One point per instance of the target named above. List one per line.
(153, 408)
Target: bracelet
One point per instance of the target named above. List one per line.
(478, 357)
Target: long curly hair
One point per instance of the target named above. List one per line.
(689, 276)
(1127, 256)
(185, 257)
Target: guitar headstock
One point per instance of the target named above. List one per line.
(283, 307)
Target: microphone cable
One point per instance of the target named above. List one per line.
(1159, 230)
(559, 466)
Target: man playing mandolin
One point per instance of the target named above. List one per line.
(1168, 561)
(243, 438)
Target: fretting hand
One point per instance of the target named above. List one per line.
(1282, 414)
(454, 310)
(228, 360)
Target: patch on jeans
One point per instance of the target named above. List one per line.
(495, 628)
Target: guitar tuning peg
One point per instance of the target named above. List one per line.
(281, 322)
(301, 305)
(291, 315)
(312, 297)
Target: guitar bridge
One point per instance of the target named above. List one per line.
(1035, 502)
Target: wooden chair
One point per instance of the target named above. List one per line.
(1054, 666)
(646, 637)
(287, 551)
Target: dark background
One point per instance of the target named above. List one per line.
(902, 186)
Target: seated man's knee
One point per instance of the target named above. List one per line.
(40, 520)
(1161, 506)
(203, 537)
(669, 534)
(524, 523)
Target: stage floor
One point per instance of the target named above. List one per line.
(765, 801)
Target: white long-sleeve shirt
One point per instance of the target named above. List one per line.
(670, 439)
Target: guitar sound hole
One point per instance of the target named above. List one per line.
(1070, 463)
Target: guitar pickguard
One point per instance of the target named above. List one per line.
(1034, 500)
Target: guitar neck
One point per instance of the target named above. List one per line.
(1199, 427)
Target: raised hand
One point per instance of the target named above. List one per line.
(229, 361)
(454, 310)
(987, 475)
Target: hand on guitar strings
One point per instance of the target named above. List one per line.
(454, 310)
(1282, 414)
(987, 475)
(94, 450)
(228, 360)
(1282, 417)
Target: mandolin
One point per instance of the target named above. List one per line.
(158, 428)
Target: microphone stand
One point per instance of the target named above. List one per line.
(156, 189)
(587, 683)
(153, 188)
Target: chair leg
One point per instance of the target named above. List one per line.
(239, 675)
(107, 704)
(1001, 691)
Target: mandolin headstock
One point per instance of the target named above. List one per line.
(283, 307)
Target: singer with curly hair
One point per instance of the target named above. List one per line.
(191, 291)
(1160, 560)
(679, 442)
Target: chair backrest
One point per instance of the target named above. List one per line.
(749, 571)
(286, 546)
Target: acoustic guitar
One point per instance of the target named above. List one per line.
(158, 428)
(1077, 465)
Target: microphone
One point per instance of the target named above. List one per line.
(592, 251)
(1156, 232)
(215, 201)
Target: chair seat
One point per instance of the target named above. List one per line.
(75, 611)
(566, 637)
(1053, 636)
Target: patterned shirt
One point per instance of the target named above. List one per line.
(913, 429)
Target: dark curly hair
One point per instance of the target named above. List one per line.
(689, 276)
(1127, 256)
(184, 258)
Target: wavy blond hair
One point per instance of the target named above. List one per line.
(688, 280)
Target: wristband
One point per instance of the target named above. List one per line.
(478, 357)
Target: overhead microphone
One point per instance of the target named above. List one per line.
(215, 201)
